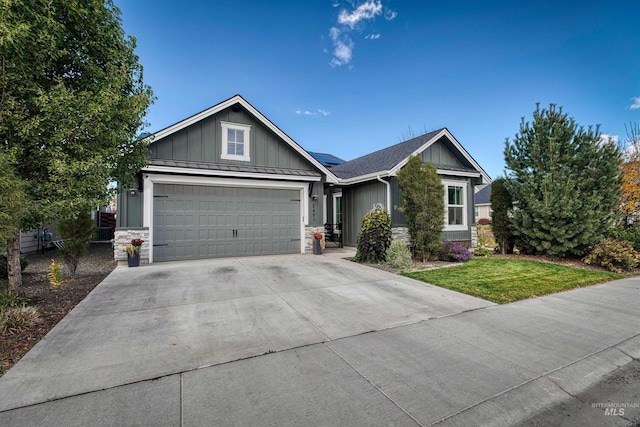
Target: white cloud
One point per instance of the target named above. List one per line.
(354, 20)
(342, 47)
(390, 14)
(316, 113)
(366, 10)
(636, 103)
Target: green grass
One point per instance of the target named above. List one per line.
(507, 280)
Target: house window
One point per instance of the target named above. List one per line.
(455, 196)
(235, 141)
(337, 208)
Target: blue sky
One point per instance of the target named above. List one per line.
(352, 77)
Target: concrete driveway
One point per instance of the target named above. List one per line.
(303, 339)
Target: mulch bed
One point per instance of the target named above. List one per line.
(52, 304)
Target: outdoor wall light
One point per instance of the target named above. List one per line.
(314, 197)
(133, 192)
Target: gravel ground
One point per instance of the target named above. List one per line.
(53, 304)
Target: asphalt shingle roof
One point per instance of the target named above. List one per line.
(382, 160)
(483, 197)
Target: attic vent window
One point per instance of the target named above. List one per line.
(236, 141)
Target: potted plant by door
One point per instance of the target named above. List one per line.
(133, 252)
(317, 243)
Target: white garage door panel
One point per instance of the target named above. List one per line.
(193, 221)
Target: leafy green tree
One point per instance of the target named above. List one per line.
(374, 237)
(423, 206)
(12, 199)
(72, 101)
(77, 233)
(564, 182)
(501, 205)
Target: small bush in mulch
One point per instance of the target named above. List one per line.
(398, 255)
(452, 251)
(614, 255)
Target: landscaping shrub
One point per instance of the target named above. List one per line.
(630, 233)
(484, 221)
(77, 233)
(485, 237)
(16, 318)
(11, 300)
(398, 255)
(374, 237)
(452, 251)
(614, 255)
(482, 252)
(3, 265)
(55, 274)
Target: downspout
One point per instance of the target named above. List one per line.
(388, 192)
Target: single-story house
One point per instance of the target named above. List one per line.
(228, 182)
(483, 202)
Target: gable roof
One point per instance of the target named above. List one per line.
(327, 160)
(237, 99)
(483, 197)
(390, 160)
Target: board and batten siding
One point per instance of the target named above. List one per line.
(202, 142)
(129, 209)
(439, 154)
(357, 201)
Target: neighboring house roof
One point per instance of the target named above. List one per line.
(483, 196)
(327, 160)
(389, 160)
(237, 99)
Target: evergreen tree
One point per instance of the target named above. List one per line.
(423, 206)
(72, 102)
(564, 182)
(501, 206)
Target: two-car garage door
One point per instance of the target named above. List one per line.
(195, 221)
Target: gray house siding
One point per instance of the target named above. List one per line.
(202, 142)
(129, 210)
(356, 202)
(439, 154)
(316, 207)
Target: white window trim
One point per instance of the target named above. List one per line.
(224, 153)
(335, 203)
(465, 207)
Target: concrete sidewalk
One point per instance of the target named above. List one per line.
(323, 341)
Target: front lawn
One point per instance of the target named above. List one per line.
(503, 280)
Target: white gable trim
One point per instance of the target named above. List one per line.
(237, 99)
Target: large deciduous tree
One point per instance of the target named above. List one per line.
(630, 189)
(564, 181)
(72, 100)
(423, 206)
